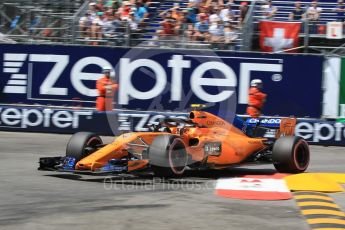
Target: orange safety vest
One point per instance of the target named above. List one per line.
(106, 94)
(256, 101)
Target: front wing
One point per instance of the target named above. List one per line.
(67, 164)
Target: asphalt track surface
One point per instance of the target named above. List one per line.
(31, 199)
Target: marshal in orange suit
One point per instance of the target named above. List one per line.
(256, 98)
(106, 90)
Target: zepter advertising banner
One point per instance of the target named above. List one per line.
(159, 79)
(70, 121)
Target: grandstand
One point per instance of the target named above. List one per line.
(33, 21)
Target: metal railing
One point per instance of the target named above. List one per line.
(38, 24)
(44, 21)
(248, 28)
(37, 21)
(125, 35)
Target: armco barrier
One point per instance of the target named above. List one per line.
(321, 132)
(316, 132)
(157, 78)
(47, 120)
(69, 121)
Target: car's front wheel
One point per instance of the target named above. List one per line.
(82, 144)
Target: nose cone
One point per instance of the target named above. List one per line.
(115, 150)
(101, 157)
(83, 166)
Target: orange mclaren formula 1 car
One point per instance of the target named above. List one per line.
(203, 141)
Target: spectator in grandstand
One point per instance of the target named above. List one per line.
(92, 8)
(314, 12)
(211, 4)
(216, 32)
(106, 88)
(215, 17)
(227, 14)
(269, 11)
(133, 24)
(85, 23)
(117, 22)
(99, 6)
(168, 25)
(120, 30)
(256, 98)
(297, 13)
(116, 5)
(340, 9)
(141, 13)
(175, 12)
(201, 30)
(192, 15)
(181, 24)
(223, 12)
(113, 29)
(135, 29)
(108, 27)
(96, 28)
(313, 15)
(185, 28)
(203, 8)
(193, 3)
(179, 18)
(230, 36)
(125, 10)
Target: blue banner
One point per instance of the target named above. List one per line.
(158, 79)
(48, 120)
(69, 121)
(317, 132)
(321, 132)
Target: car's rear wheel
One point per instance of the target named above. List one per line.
(82, 144)
(168, 156)
(291, 154)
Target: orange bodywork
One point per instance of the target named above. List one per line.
(235, 145)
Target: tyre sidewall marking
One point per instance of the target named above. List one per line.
(300, 142)
(176, 140)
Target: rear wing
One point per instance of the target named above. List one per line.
(272, 127)
(287, 127)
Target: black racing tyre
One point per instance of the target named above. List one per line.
(168, 156)
(82, 144)
(291, 154)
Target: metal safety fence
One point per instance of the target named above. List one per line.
(68, 22)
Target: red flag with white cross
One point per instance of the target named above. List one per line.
(278, 36)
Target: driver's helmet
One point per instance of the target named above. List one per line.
(256, 83)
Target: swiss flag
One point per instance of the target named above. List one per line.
(277, 36)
